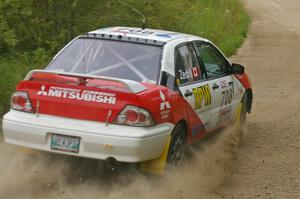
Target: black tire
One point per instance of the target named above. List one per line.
(177, 145)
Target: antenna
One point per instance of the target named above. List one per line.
(137, 11)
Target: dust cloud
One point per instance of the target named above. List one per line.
(206, 166)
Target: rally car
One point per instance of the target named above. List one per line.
(129, 94)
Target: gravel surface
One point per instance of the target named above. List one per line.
(268, 162)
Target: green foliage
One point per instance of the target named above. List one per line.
(49, 24)
(26, 25)
(32, 31)
(12, 71)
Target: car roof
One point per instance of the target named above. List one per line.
(162, 36)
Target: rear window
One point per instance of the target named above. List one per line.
(126, 60)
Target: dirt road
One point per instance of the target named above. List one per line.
(266, 165)
(268, 162)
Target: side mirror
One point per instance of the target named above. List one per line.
(237, 69)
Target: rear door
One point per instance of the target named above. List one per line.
(193, 87)
(222, 83)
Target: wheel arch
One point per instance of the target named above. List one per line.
(184, 123)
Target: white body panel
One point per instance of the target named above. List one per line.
(124, 143)
(205, 111)
(168, 59)
(150, 34)
(226, 98)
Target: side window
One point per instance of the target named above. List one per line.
(187, 67)
(214, 64)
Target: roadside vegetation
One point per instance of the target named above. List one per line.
(32, 31)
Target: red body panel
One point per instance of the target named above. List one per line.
(62, 101)
(244, 79)
(180, 110)
(72, 108)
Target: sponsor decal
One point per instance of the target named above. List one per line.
(191, 73)
(202, 96)
(195, 71)
(224, 115)
(227, 96)
(77, 94)
(187, 74)
(164, 104)
(133, 31)
(165, 35)
(42, 91)
(223, 84)
(165, 107)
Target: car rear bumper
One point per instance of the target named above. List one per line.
(124, 143)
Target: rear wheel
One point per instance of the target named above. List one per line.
(177, 145)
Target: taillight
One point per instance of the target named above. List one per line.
(20, 101)
(134, 116)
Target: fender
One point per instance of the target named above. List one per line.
(245, 81)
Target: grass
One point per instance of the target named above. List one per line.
(224, 22)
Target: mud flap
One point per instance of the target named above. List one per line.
(238, 115)
(157, 166)
(29, 151)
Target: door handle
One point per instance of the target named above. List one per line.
(215, 86)
(188, 93)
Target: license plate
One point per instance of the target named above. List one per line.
(65, 143)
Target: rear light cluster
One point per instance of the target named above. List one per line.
(134, 116)
(20, 101)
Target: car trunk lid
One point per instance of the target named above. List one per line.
(79, 96)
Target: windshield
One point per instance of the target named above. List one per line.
(126, 60)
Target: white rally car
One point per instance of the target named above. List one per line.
(129, 94)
